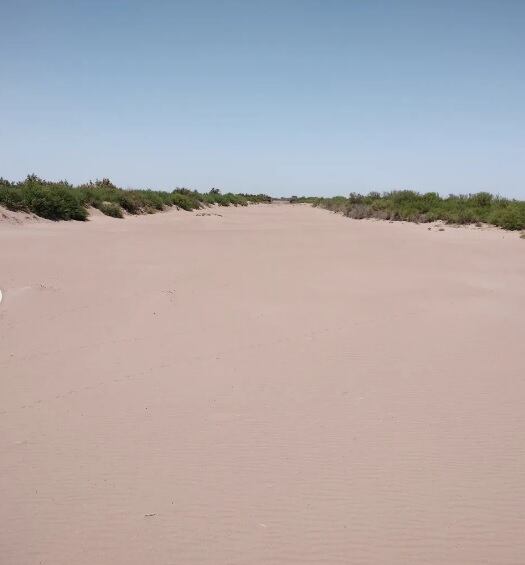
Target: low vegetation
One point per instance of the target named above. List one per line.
(407, 205)
(111, 209)
(63, 201)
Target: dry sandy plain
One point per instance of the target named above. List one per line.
(274, 385)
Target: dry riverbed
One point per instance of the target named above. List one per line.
(272, 384)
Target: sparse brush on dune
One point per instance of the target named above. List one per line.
(63, 201)
(407, 205)
(111, 209)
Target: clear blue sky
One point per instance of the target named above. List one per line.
(285, 97)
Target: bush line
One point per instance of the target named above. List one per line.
(410, 206)
(63, 201)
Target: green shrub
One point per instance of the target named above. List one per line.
(12, 198)
(111, 209)
(510, 218)
(184, 201)
(54, 201)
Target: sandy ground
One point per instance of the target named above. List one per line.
(274, 385)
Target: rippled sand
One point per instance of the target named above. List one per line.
(274, 385)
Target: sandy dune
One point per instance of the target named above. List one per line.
(274, 385)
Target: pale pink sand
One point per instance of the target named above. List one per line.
(276, 385)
